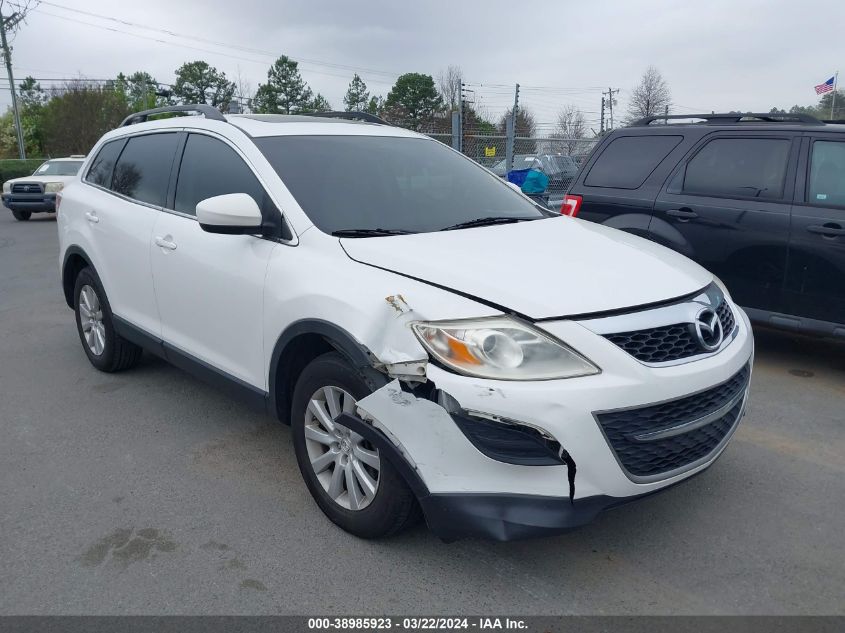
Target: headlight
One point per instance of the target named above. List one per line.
(53, 187)
(7, 187)
(722, 286)
(500, 348)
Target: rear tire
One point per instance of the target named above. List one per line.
(104, 347)
(22, 216)
(345, 456)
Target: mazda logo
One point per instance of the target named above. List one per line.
(708, 329)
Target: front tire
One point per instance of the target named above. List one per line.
(354, 486)
(22, 216)
(105, 348)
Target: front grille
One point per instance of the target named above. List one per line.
(669, 342)
(23, 187)
(645, 458)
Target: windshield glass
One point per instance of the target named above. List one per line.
(375, 182)
(59, 168)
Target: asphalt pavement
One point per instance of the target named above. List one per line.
(148, 492)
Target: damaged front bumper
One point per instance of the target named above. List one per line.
(463, 491)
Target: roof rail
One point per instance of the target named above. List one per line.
(839, 121)
(350, 116)
(210, 112)
(736, 117)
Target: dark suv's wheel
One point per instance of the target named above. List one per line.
(352, 484)
(22, 215)
(105, 348)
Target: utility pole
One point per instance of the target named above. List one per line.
(601, 127)
(460, 147)
(610, 93)
(7, 23)
(511, 133)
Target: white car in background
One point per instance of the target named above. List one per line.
(440, 345)
(37, 193)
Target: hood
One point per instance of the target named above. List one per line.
(544, 268)
(43, 179)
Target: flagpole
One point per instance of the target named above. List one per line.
(833, 99)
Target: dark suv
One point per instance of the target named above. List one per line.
(759, 199)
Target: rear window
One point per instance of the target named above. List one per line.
(143, 169)
(627, 161)
(739, 167)
(100, 171)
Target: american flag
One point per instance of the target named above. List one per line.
(825, 87)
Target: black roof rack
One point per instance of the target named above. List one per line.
(350, 116)
(737, 117)
(210, 112)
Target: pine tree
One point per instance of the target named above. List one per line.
(357, 96)
(285, 91)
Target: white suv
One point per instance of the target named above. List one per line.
(439, 344)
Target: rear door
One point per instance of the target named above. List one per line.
(132, 177)
(727, 207)
(623, 179)
(209, 286)
(815, 281)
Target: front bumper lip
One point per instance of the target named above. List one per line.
(511, 517)
(30, 202)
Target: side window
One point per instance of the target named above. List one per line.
(628, 160)
(103, 164)
(740, 167)
(827, 174)
(211, 168)
(143, 170)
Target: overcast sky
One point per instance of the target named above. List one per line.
(715, 55)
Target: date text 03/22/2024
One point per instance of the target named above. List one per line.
(416, 623)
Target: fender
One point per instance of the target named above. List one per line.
(70, 252)
(358, 355)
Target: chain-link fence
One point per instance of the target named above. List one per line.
(506, 154)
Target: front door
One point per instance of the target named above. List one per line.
(815, 283)
(727, 207)
(210, 287)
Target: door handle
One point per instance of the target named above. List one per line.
(827, 230)
(91, 217)
(164, 242)
(682, 214)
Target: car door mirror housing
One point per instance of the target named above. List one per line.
(231, 214)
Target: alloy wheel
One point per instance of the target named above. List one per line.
(91, 320)
(346, 465)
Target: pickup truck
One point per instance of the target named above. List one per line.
(37, 193)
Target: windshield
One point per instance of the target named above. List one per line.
(59, 168)
(401, 184)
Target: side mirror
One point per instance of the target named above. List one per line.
(230, 214)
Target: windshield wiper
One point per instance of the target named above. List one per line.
(490, 221)
(370, 232)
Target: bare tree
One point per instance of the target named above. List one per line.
(449, 85)
(243, 92)
(650, 97)
(571, 128)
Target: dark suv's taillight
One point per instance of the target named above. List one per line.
(571, 205)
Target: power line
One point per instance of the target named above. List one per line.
(204, 40)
